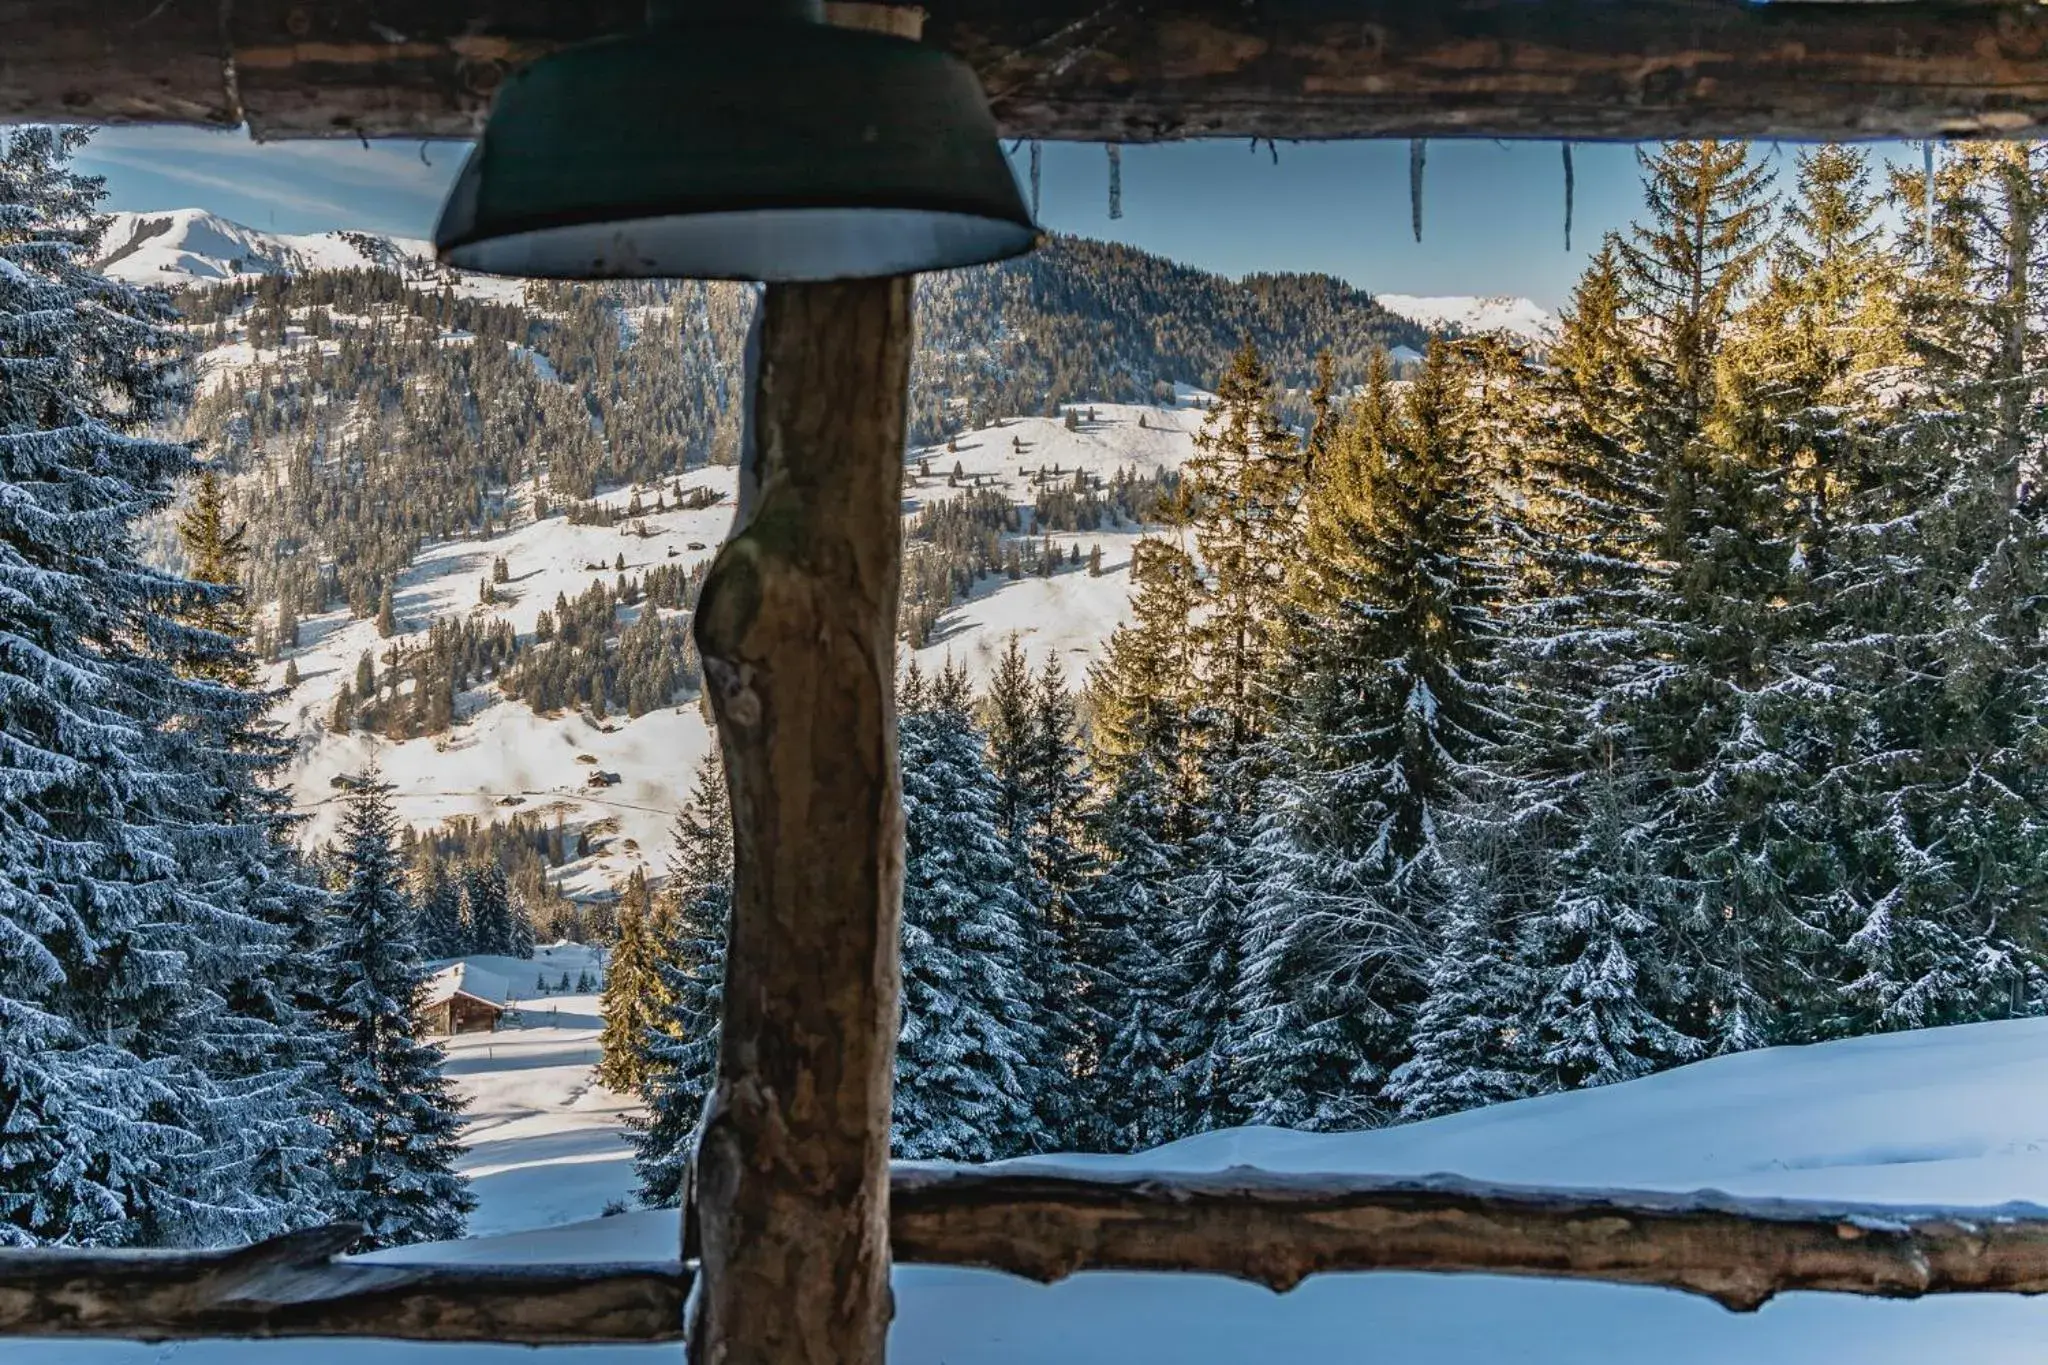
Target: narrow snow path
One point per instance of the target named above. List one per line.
(546, 1143)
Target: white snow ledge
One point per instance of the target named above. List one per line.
(1044, 1222)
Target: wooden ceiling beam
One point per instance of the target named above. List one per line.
(1110, 70)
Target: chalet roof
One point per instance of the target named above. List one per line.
(1093, 71)
(460, 978)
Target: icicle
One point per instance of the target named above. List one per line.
(1116, 181)
(1570, 185)
(1037, 162)
(1418, 157)
(1927, 164)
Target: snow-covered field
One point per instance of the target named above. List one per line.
(1952, 1116)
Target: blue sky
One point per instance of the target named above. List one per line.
(1493, 212)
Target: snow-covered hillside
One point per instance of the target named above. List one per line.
(1956, 1117)
(1070, 615)
(1522, 318)
(502, 757)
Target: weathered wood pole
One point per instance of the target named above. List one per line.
(797, 629)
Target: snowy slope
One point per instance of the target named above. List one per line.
(1522, 318)
(1070, 615)
(1951, 1116)
(545, 1143)
(501, 757)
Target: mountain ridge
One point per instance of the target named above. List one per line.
(193, 246)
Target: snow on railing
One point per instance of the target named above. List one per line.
(1045, 1223)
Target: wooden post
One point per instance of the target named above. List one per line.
(797, 629)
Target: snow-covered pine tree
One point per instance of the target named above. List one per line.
(682, 1053)
(1389, 712)
(1811, 372)
(1242, 496)
(1684, 272)
(1058, 778)
(1032, 758)
(396, 1122)
(125, 1058)
(442, 934)
(1588, 858)
(251, 1013)
(1008, 722)
(1138, 693)
(965, 1057)
(1951, 935)
(487, 906)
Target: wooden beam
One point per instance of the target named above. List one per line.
(797, 629)
(293, 1287)
(1277, 1230)
(1089, 70)
(1273, 1230)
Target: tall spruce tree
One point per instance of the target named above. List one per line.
(1950, 935)
(442, 932)
(1243, 497)
(1391, 645)
(965, 1058)
(253, 1021)
(487, 907)
(145, 1034)
(1588, 858)
(1685, 270)
(682, 1053)
(1139, 696)
(395, 1130)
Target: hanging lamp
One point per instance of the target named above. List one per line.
(746, 141)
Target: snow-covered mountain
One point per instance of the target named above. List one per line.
(625, 775)
(1518, 317)
(180, 247)
(191, 246)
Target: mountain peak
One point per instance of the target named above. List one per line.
(176, 247)
(1474, 315)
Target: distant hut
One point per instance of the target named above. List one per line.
(462, 999)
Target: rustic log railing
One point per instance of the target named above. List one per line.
(1274, 1230)
(1109, 69)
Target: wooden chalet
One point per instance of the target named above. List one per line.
(796, 1214)
(461, 998)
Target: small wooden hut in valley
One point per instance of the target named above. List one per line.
(461, 998)
(796, 1214)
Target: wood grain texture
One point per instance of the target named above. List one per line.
(797, 629)
(293, 1287)
(1111, 69)
(1277, 1230)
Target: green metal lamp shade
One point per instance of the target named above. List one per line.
(747, 151)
